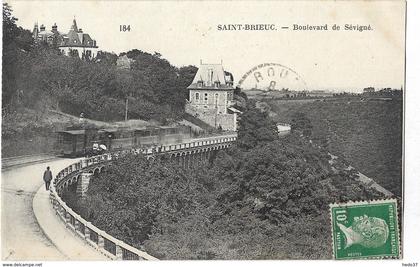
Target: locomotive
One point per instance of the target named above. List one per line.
(87, 142)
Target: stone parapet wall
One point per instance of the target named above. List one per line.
(100, 240)
(209, 116)
(226, 121)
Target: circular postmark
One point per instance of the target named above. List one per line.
(272, 77)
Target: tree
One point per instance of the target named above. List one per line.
(40, 76)
(55, 76)
(301, 124)
(240, 93)
(106, 58)
(15, 41)
(10, 30)
(185, 77)
(255, 127)
(246, 204)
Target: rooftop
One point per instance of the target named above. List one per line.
(74, 38)
(211, 76)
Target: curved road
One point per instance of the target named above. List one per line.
(21, 236)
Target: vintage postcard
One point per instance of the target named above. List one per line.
(203, 130)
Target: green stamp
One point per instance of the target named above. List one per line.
(363, 230)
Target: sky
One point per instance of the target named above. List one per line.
(185, 32)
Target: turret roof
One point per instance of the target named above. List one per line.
(74, 38)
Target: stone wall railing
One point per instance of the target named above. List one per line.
(97, 238)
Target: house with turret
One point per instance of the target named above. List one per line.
(73, 43)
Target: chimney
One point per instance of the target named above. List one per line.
(42, 28)
(54, 28)
(35, 27)
(80, 30)
(35, 31)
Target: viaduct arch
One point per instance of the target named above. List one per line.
(80, 173)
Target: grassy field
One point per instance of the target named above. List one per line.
(367, 134)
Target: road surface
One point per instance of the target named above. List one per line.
(21, 236)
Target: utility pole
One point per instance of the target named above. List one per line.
(126, 108)
(216, 96)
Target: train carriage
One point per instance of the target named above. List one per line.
(147, 136)
(164, 135)
(174, 135)
(121, 139)
(106, 137)
(73, 143)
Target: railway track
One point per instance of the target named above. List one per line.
(24, 160)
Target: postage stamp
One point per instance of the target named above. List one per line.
(367, 229)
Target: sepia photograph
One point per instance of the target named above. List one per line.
(203, 130)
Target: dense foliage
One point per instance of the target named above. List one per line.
(301, 123)
(367, 133)
(37, 75)
(37, 78)
(268, 201)
(255, 127)
(15, 41)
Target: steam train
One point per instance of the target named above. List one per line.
(87, 142)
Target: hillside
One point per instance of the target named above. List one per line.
(38, 79)
(266, 198)
(38, 76)
(28, 131)
(367, 134)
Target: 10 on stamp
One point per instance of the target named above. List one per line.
(363, 230)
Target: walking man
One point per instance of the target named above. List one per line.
(47, 178)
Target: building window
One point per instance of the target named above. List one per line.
(217, 84)
(88, 54)
(197, 96)
(74, 53)
(216, 98)
(206, 99)
(200, 83)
